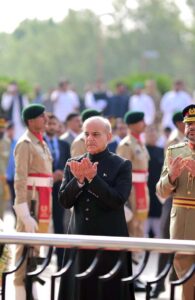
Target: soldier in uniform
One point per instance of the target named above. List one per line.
(177, 136)
(4, 156)
(134, 150)
(177, 180)
(33, 180)
(78, 145)
(4, 191)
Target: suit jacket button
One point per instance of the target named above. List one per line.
(86, 219)
(87, 209)
(87, 200)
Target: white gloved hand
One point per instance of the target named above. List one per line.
(23, 213)
(128, 214)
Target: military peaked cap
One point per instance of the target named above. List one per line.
(132, 117)
(32, 111)
(87, 113)
(189, 113)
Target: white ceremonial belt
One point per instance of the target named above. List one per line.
(40, 181)
(139, 177)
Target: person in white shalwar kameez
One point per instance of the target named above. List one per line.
(144, 103)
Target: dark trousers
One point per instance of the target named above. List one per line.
(58, 220)
(12, 194)
(88, 288)
(11, 189)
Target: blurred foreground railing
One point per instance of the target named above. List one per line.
(101, 243)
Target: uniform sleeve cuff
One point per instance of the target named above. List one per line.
(168, 184)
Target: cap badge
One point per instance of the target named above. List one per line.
(192, 111)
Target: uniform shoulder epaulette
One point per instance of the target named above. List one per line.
(179, 145)
(79, 137)
(24, 138)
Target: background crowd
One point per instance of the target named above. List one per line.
(65, 122)
(162, 125)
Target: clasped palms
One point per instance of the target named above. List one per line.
(83, 169)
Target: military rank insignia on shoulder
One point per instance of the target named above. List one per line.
(179, 145)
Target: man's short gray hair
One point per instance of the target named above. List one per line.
(103, 120)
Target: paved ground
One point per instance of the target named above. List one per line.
(44, 291)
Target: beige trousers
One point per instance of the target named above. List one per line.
(182, 264)
(20, 274)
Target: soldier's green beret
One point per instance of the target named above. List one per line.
(177, 117)
(87, 113)
(132, 117)
(32, 111)
(189, 113)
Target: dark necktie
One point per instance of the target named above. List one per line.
(53, 153)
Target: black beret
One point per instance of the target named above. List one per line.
(32, 111)
(88, 113)
(177, 117)
(132, 117)
(189, 113)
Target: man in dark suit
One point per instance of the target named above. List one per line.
(120, 132)
(118, 103)
(73, 127)
(152, 224)
(97, 184)
(60, 151)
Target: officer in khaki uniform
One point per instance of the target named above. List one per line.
(78, 145)
(33, 181)
(178, 180)
(4, 156)
(134, 150)
(177, 136)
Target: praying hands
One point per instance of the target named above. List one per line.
(83, 169)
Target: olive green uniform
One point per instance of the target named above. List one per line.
(133, 150)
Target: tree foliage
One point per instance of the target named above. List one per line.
(150, 38)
